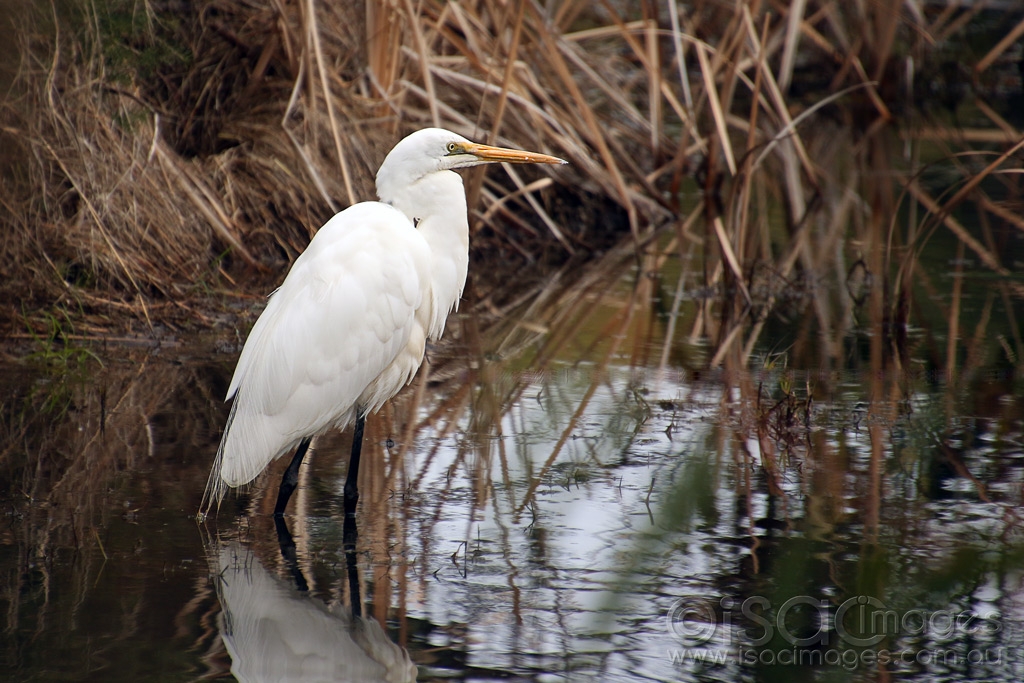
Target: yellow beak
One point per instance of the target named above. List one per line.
(486, 153)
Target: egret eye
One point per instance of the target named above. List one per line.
(451, 147)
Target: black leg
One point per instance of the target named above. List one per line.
(350, 535)
(291, 478)
(352, 480)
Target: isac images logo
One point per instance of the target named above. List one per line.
(862, 631)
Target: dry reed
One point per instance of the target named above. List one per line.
(172, 159)
(136, 204)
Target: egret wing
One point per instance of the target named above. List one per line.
(344, 332)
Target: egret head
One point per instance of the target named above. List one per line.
(434, 149)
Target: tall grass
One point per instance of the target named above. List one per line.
(166, 155)
(159, 161)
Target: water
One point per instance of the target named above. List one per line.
(567, 497)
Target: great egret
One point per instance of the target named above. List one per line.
(346, 329)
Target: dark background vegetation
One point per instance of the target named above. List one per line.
(164, 160)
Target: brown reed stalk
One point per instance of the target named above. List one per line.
(286, 110)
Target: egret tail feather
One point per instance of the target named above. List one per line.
(215, 485)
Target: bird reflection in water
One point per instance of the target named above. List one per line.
(274, 631)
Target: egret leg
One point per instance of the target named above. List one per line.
(352, 480)
(350, 533)
(291, 478)
(351, 536)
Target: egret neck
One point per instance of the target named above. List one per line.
(435, 204)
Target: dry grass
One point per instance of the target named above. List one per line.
(781, 144)
(171, 150)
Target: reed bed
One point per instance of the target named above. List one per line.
(172, 156)
(141, 430)
(163, 162)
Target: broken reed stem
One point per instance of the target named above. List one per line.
(941, 213)
(954, 311)
(794, 19)
(313, 38)
(1009, 39)
(717, 114)
(421, 48)
(203, 199)
(507, 75)
(553, 49)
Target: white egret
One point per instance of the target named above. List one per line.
(346, 330)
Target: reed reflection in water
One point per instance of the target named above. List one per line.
(565, 493)
(543, 513)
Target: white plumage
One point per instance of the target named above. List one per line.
(347, 328)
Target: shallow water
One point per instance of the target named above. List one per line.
(562, 497)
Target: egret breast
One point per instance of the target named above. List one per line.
(401, 370)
